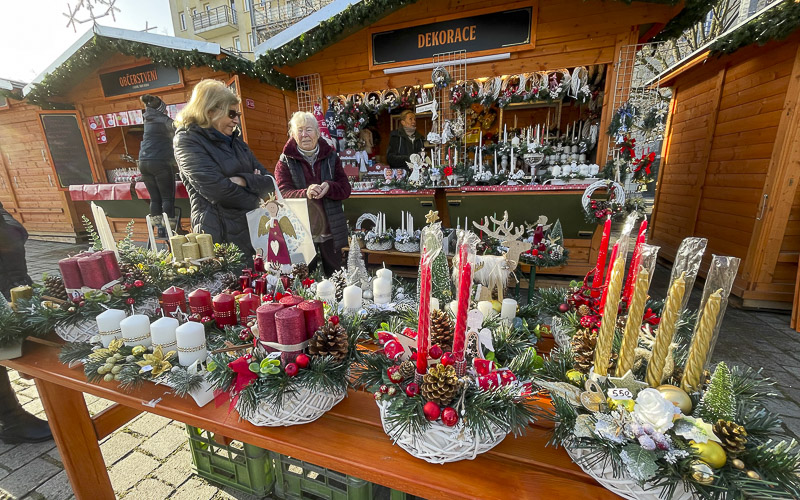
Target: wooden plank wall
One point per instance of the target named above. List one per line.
(268, 123)
(27, 183)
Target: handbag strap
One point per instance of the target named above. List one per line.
(278, 195)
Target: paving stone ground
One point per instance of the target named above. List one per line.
(150, 457)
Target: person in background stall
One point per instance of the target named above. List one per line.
(404, 141)
(310, 168)
(157, 161)
(222, 176)
(16, 424)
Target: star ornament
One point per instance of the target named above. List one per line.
(432, 217)
(628, 381)
(158, 362)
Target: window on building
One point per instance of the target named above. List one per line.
(249, 41)
(183, 21)
(246, 5)
(208, 7)
(194, 12)
(233, 5)
(237, 43)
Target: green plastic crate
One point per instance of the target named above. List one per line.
(239, 465)
(298, 480)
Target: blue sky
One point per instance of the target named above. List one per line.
(33, 33)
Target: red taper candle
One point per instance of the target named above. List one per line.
(247, 307)
(635, 261)
(265, 317)
(93, 271)
(200, 302)
(424, 324)
(314, 316)
(464, 292)
(172, 299)
(599, 268)
(70, 272)
(224, 310)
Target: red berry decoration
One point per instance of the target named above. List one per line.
(393, 372)
(431, 411)
(138, 283)
(383, 389)
(206, 319)
(448, 359)
(534, 252)
(449, 416)
(435, 352)
(278, 296)
(562, 308)
(377, 396)
(334, 320)
(130, 301)
(291, 369)
(412, 389)
(302, 360)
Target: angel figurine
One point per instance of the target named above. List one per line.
(276, 231)
(415, 164)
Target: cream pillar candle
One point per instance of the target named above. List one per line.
(175, 243)
(192, 237)
(434, 303)
(666, 331)
(630, 339)
(136, 330)
(382, 290)
(605, 338)
(352, 297)
(698, 352)
(326, 291)
(191, 341)
(453, 306)
(384, 273)
(508, 311)
(191, 251)
(162, 333)
(485, 307)
(108, 325)
(206, 243)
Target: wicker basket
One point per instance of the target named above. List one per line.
(300, 407)
(379, 245)
(214, 284)
(441, 444)
(408, 247)
(624, 487)
(79, 332)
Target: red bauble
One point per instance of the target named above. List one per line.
(413, 356)
(448, 359)
(302, 360)
(81, 303)
(130, 301)
(291, 369)
(393, 372)
(534, 252)
(412, 389)
(138, 283)
(449, 416)
(562, 308)
(236, 293)
(435, 352)
(334, 320)
(278, 296)
(247, 290)
(431, 411)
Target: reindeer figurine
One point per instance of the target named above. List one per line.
(492, 271)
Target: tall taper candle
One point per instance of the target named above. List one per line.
(424, 321)
(635, 261)
(611, 261)
(605, 338)
(666, 330)
(630, 339)
(701, 343)
(464, 294)
(601, 255)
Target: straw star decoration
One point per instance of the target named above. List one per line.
(628, 381)
(432, 217)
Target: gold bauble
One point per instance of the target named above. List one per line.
(613, 404)
(702, 472)
(710, 453)
(497, 305)
(753, 475)
(138, 350)
(738, 464)
(676, 396)
(575, 377)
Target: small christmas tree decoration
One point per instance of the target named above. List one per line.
(732, 435)
(719, 401)
(356, 269)
(300, 271)
(440, 384)
(330, 340)
(441, 330)
(54, 287)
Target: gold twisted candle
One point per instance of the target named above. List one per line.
(701, 343)
(666, 330)
(605, 338)
(634, 324)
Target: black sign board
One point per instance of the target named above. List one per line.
(62, 132)
(139, 79)
(492, 31)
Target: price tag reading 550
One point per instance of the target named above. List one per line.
(619, 394)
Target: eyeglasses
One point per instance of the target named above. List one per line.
(234, 114)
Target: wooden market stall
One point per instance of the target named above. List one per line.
(364, 51)
(86, 115)
(731, 159)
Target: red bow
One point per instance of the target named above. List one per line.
(651, 318)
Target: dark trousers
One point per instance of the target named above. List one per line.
(328, 255)
(13, 267)
(159, 178)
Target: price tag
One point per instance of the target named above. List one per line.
(619, 393)
(147, 368)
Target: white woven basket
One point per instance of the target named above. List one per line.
(79, 332)
(559, 332)
(379, 245)
(408, 247)
(624, 487)
(214, 284)
(441, 444)
(300, 407)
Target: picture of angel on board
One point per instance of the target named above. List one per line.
(276, 230)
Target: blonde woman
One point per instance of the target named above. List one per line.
(222, 176)
(310, 168)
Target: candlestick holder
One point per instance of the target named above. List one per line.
(418, 377)
(461, 368)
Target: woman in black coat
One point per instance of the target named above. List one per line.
(222, 176)
(156, 158)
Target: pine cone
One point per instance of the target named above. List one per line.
(300, 271)
(330, 340)
(583, 344)
(54, 287)
(339, 279)
(229, 281)
(407, 369)
(440, 384)
(584, 310)
(732, 435)
(442, 330)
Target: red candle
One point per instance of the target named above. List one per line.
(70, 272)
(614, 253)
(93, 271)
(635, 261)
(464, 292)
(424, 324)
(224, 310)
(258, 264)
(200, 302)
(172, 299)
(290, 325)
(291, 300)
(265, 316)
(247, 307)
(112, 266)
(314, 316)
(244, 281)
(600, 267)
(260, 286)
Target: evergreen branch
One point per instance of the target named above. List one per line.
(751, 384)
(560, 361)
(183, 382)
(406, 415)
(370, 371)
(75, 352)
(526, 365)
(87, 224)
(759, 422)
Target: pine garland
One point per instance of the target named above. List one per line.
(775, 24)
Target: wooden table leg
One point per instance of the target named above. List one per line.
(75, 435)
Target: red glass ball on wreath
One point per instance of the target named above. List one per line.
(431, 411)
(449, 416)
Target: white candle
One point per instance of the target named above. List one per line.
(567, 130)
(162, 333)
(485, 307)
(466, 223)
(495, 162)
(402, 221)
(381, 290)
(508, 310)
(384, 273)
(108, 325)
(505, 133)
(326, 291)
(352, 297)
(456, 162)
(150, 235)
(434, 303)
(191, 340)
(512, 160)
(136, 330)
(454, 306)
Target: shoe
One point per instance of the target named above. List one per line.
(19, 426)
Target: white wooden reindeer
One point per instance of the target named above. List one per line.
(492, 271)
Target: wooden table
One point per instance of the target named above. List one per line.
(348, 439)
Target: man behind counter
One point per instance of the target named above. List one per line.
(404, 141)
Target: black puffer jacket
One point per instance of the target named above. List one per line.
(401, 147)
(207, 159)
(157, 138)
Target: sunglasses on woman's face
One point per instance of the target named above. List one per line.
(234, 114)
